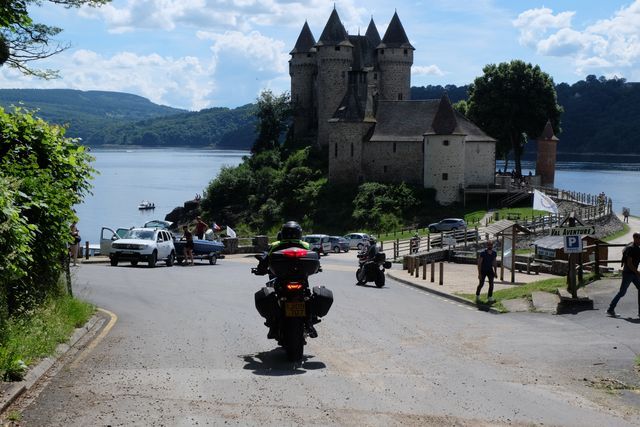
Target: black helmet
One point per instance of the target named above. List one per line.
(291, 231)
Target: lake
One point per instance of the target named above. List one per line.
(166, 177)
(169, 177)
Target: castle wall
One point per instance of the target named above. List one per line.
(303, 69)
(381, 163)
(345, 151)
(395, 73)
(332, 81)
(480, 163)
(444, 166)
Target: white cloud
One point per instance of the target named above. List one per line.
(261, 52)
(598, 48)
(181, 82)
(426, 70)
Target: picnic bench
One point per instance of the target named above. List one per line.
(529, 267)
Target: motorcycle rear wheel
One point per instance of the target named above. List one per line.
(294, 339)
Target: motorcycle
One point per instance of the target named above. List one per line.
(372, 270)
(290, 307)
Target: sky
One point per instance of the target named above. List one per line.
(196, 54)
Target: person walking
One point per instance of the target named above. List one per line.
(487, 268)
(188, 247)
(631, 259)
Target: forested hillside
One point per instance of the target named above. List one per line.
(600, 115)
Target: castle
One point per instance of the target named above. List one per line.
(352, 95)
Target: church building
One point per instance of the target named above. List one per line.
(352, 94)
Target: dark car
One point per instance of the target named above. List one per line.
(447, 224)
(339, 244)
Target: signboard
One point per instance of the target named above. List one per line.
(572, 244)
(573, 231)
(546, 253)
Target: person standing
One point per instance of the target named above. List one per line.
(631, 259)
(188, 247)
(73, 248)
(487, 268)
(201, 228)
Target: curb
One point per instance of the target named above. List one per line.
(442, 294)
(34, 374)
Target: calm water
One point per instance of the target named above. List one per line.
(167, 177)
(619, 180)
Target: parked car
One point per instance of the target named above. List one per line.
(143, 244)
(339, 244)
(319, 243)
(357, 240)
(447, 224)
(158, 223)
(108, 236)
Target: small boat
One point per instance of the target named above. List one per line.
(145, 204)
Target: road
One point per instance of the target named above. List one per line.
(188, 348)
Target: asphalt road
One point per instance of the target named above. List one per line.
(189, 348)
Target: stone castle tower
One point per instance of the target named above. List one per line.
(322, 72)
(546, 157)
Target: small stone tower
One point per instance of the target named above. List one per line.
(395, 58)
(546, 159)
(444, 159)
(335, 55)
(303, 70)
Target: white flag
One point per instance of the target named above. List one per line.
(542, 202)
(230, 232)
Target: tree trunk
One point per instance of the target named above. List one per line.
(517, 153)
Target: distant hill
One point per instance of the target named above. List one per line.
(600, 115)
(115, 118)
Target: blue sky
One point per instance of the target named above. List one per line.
(196, 54)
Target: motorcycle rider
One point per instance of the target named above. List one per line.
(289, 236)
(373, 250)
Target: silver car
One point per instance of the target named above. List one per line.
(357, 240)
(319, 243)
(447, 224)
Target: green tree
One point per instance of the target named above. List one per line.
(273, 113)
(23, 41)
(511, 100)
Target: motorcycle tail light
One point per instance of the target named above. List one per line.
(294, 252)
(294, 286)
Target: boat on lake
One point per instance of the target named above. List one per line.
(145, 204)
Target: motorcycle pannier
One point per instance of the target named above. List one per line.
(283, 264)
(266, 303)
(380, 257)
(321, 300)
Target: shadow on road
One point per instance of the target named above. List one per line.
(275, 363)
(372, 285)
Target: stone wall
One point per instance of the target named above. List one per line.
(345, 151)
(395, 73)
(382, 163)
(480, 161)
(444, 170)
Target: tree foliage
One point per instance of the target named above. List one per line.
(512, 102)
(23, 41)
(43, 175)
(273, 114)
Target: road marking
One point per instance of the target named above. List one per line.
(93, 344)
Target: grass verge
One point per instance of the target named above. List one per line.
(30, 338)
(525, 291)
(625, 230)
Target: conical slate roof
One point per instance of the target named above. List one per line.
(334, 33)
(395, 35)
(305, 42)
(547, 133)
(372, 34)
(445, 122)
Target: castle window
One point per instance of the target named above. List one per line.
(394, 148)
(399, 97)
(445, 176)
(375, 76)
(337, 47)
(336, 151)
(406, 52)
(384, 168)
(352, 149)
(445, 142)
(308, 55)
(381, 51)
(423, 146)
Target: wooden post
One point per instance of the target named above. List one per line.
(429, 242)
(465, 238)
(417, 267)
(381, 245)
(502, 258)
(441, 281)
(398, 248)
(86, 249)
(411, 261)
(596, 268)
(433, 271)
(424, 269)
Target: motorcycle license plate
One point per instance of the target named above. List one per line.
(294, 309)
